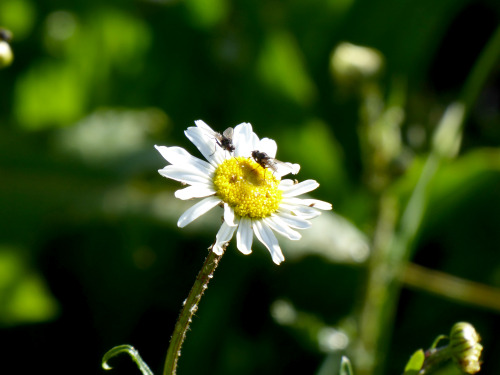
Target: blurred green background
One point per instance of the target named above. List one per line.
(90, 255)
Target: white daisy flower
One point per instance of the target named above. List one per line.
(255, 199)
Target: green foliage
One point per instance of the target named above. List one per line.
(19, 15)
(24, 296)
(415, 363)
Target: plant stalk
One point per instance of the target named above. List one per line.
(189, 308)
(390, 256)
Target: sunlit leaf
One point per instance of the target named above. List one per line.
(415, 363)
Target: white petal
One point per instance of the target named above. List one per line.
(268, 146)
(313, 203)
(243, 131)
(165, 151)
(268, 239)
(179, 156)
(244, 236)
(284, 168)
(224, 235)
(303, 212)
(285, 184)
(199, 167)
(229, 215)
(246, 140)
(197, 210)
(293, 220)
(206, 131)
(203, 125)
(282, 228)
(300, 188)
(242, 139)
(182, 174)
(195, 191)
(206, 144)
(254, 141)
(316, 203)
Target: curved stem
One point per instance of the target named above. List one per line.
(190, 306)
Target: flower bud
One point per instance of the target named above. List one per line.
(465, 347)
(448, 136)
(6, 55)
(352, 64)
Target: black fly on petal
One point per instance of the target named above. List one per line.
(265, 161)
(225, 140)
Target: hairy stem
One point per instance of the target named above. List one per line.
(190, 306)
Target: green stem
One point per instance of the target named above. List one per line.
(481, 71)
(451, 287)
(189, 308)
(390, 255)
(434, 358)
(373, 311)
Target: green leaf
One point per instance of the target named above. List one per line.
(415, 363)
(132, 352)
(345, 366)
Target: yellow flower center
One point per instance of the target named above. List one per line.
(251, 190)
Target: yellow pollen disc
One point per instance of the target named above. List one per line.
(251, 190)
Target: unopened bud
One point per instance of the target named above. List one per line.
(465, 347)
(350, 63)
(448, 135)
(6, 55)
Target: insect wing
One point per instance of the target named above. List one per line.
(228, 133)
(278, 167)
(224, 140)
(282, 168)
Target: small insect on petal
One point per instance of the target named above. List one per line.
(278, 167)
(225, 140)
